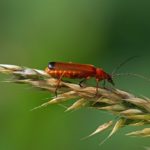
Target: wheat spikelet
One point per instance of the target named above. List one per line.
(131, 110)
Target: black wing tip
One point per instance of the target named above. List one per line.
(51, 65)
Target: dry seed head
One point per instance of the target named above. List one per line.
(131, 110)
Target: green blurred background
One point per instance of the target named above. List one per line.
(99, 32)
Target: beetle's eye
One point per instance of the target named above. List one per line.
(51, 65)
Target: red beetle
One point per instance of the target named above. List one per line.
(75, 70)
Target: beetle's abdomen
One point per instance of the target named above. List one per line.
(68, 73)
(70, 70)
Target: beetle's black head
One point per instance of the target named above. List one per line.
(51, 65)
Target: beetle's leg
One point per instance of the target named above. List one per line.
(59, 80)
(82, 81)
(97, 86)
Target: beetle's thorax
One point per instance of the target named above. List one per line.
(101, 74)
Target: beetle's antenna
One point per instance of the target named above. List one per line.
(133, 74)
(120, 65)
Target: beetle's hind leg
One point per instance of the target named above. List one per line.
(59, 80)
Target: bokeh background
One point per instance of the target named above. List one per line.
(99, 32)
